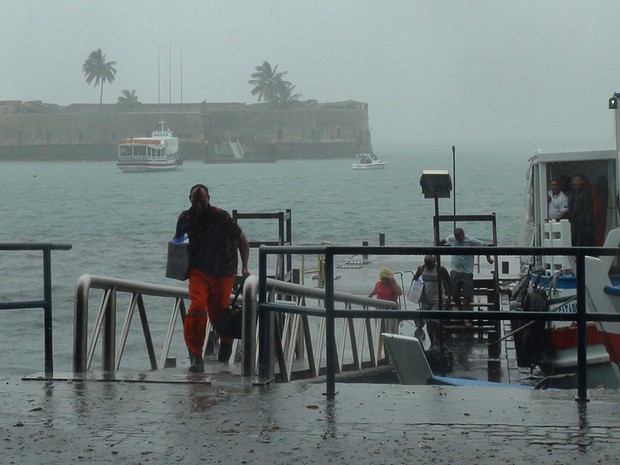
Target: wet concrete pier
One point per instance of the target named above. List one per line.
(223, 418)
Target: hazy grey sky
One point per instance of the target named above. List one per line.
(513, 76)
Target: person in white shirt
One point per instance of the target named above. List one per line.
(558, 201)
(462, 272)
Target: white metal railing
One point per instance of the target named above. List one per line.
(105, 320)
(360, 345)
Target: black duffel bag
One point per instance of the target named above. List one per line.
(231, 322)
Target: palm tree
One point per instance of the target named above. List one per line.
(286, 93)
(268, 82)
(96, 69)
(128, 99)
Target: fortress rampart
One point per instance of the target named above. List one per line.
(38, 131)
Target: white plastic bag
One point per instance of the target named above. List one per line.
(415, 290)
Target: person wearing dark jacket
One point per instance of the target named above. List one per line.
(214, 241)
(581, 212)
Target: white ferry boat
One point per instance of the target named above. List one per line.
(160, 152)
(556, 275)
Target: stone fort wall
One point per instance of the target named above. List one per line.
(38, 131)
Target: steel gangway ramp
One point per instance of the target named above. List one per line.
(298, 349)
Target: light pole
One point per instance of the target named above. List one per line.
(437, 184)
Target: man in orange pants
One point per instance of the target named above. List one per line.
(214, 240)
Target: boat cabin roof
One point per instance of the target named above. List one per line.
(567, 157)
(142, 141)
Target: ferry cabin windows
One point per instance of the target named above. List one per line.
(601, 178)
(600, 174)
(141, 152)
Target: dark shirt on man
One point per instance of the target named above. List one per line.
(213, 240)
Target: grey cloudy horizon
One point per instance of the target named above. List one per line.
(504, 76)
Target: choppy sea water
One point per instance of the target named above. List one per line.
(119, 223)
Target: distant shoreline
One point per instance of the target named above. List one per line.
(37, 131)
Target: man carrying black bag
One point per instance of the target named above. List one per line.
(214, 240)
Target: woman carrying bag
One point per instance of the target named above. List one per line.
(430, 294)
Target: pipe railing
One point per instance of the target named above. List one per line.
(105, 321)
(284, 344)
(46, 302)
(104, 326)
(265, 307)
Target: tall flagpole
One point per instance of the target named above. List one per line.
(181, 66)
(158, 79)
(454, 185)
(169, 72)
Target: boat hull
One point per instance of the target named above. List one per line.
(137, 167)
(373, 166)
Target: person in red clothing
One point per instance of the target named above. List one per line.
(386, 288)
(214, 240)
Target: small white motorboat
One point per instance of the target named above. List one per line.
(368, 161)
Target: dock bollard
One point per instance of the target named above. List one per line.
(494, 367)
(494, 348)
(494, 370)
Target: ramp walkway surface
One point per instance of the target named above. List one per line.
(229, 420)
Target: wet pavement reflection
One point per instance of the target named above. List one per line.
(232, 421)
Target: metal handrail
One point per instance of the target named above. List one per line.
(105, 320)
(267, 346)
(331, 313)
(46, 302)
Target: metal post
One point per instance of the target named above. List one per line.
(330, 330)
(108, 341)
(436, 222)
(382, 239)
(264, 326)
(80, 326)
(582, 380)
(249, 327)
(454, 183)
(47, 312)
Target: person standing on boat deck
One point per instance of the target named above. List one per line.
(600, 201)
(565, 185)
(462, 272)
(214, 240)
(580, 212)
(558, 201)
(387, 289)
(430, 294)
